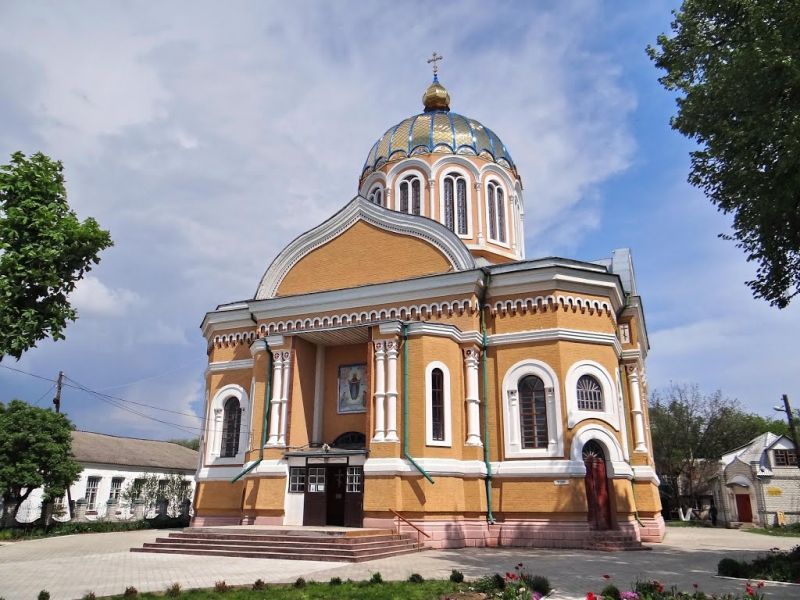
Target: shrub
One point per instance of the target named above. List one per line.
(130, 592)
(299, 583)
(376, 577)
(335, 581)
(259, 584)
(729, 567)
(649, 588)
(540, 583)
(174, 590)
(456, 576)
(610, 592)
(415, 578)
(44, 595)
(89, 596)
(489, 584)
(221, 587)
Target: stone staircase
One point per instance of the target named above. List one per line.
(353, 545)
(614, 541)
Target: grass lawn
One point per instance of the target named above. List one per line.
(776, 531)
(362, 590)
(687, 524)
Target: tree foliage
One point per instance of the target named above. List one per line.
(191, 443)
(153, 488)
(35, 451)
(44, 251)
(690, 433)
(736, 67)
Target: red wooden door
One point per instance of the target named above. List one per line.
(596, 480)
(743, 508)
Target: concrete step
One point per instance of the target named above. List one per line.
(285, 538)
(277, 555)
(283, 550)
(286, 543)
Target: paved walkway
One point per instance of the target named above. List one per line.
(70, 566)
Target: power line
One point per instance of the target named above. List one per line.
(40, 398)
(28, 373)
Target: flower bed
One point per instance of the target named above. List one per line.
(777, 565)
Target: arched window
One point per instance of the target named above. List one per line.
(411, 195)
(437, 405)
(532, 413)
(376, 195)
(455, 203)
(495, 199)
(590, 394)
(231, 423)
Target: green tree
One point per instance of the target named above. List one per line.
(736, 68)
(44, 251)
(690, 433)
(153, 488)
(35, 451)
(191, 443)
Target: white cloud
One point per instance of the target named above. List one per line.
(92, 298)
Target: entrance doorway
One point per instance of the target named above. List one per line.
(743, 508)
(597, 495)
(334, 495)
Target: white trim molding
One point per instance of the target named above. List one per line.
(229, 365)
(447, 400)
(361, 209)
(555, 334)
(214, 425)
(617, 465)
(512, 436)
(610, 412)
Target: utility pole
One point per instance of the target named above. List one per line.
(57, 399)
(787, 408)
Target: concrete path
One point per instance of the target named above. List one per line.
(70, 566)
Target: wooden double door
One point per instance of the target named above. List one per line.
(334, 495)
(597, 493)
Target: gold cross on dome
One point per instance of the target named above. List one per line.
(433, 60)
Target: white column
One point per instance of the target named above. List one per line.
(550, 395)
(513, 417)
(391, 392)
(636, 409)
(473, 401)
(216, 434)
(479, 206)
(275, 402)
(432, 210)
(319, 395)
(286, 369)
(380, 392)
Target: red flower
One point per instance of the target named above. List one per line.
(760, 584)
(591, 596)
(606, 576)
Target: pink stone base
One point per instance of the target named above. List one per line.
(268, 521)
(210, 521)
(654, 529)
(530, 533)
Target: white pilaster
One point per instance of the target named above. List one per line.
(473, 401)
(513, 417)
(636, 410)
(275, 402)
(286, 369)
(391, 392)
(216, 434)
(480, 208)
(380, 392)
(319, 395)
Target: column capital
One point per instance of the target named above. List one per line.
(258, 347)
(275, 341)
(380, 346)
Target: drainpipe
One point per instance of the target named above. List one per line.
(406, 454)
(484, 401)
(267, 393)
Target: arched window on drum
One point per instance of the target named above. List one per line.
(589, 393)
(376, 195)
(496, 211)
(454, 214)
(410, 195)
(231, 424)
(532, 412)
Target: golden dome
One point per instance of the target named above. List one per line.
(436, 97)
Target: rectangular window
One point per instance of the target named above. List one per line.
(437, 405)
(316, 479)
(785, 458)
(297, 480)
(138, 488)
(116, 488)
(625, 333)
(162, 488)
(354, 475)
(92, 483)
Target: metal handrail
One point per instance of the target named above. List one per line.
(407, 522)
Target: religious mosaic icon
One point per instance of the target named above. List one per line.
(352, 388)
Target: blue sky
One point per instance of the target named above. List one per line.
(206, 136)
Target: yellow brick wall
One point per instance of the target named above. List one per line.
(301, 405)
(219, 498)
(361, 255)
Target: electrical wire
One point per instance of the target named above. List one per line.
(50, 389)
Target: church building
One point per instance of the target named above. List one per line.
(405, 358)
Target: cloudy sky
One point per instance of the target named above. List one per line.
(206, 136)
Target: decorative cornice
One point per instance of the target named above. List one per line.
(361, 209)
(553, 302)
(230, 365)
(556, 334)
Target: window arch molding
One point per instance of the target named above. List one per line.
(511, 423)
(615, 462)
(374, 179)
(444, 172)
(407, 176)
(610, 412)
(447, 417)
(377, 194)
(214, 424)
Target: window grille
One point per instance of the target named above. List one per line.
(437, 405)
(316, 479)
(297, 480)
(533, 412)
(461, 189)
(116, 488)
(449, 219)
(590, 394)
(231, 423)
(354, 479)
(501, 216)
(92, 483)
(376, 196)
(785, 458)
